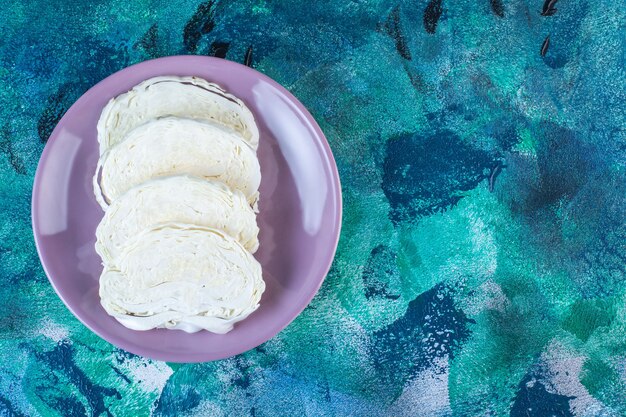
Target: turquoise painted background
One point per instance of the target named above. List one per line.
(481, 267)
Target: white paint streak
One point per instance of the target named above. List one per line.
(52, 330)
(150, 376)
(206, 408)
(489, 296)
(563, 372)
(484, 245)
(427, 395)
(496, 299)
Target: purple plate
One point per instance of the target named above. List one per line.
(300, 210)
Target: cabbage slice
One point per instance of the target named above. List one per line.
(190, 97)
(176, 146)
(179, 199)
(180, 276)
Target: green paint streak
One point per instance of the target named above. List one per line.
(528, 143)
(595, 375)
(586, 316)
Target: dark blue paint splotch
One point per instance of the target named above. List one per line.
(219, 49)
(432, 327)
(533, 400)
(200, 23)
(564, 163)
(178, 398)
(68, 406)
(6, 148)
(423, 175)
(380, 270)
(432, 13)
(61, 359)
(56, 106)
(497, 7)
(393, 28)
(149, 42)
(7, 408)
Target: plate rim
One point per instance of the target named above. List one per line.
(206, 357)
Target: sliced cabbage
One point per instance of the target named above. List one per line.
(179, 199)
(174, 146)
(189, 97)
(179, 276)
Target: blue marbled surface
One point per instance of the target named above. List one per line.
(481, 267)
